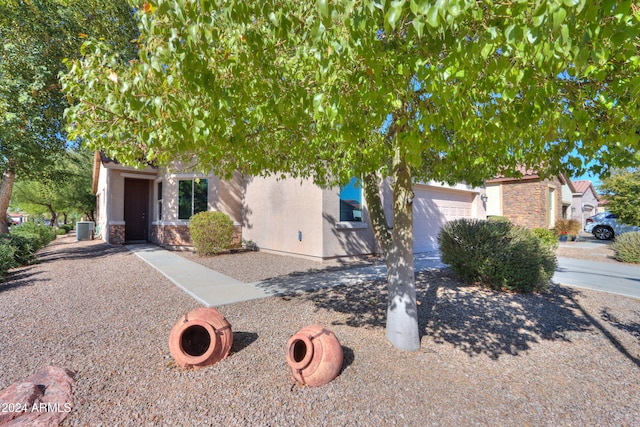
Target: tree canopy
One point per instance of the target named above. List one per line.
(64, 187)
(36, 36)
(413, 90)
(622, 193)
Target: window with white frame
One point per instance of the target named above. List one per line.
(351, 201)
(192, 197)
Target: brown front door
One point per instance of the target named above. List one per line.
(136, 210)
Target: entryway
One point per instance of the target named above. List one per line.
(136, 210)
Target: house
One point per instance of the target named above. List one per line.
(586, 201)
(17, 218)
(286, 216)
(530, 201)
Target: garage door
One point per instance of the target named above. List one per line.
(431, 209)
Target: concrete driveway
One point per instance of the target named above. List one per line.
(587, 272)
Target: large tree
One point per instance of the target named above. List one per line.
(35, 37)
(64, 186)
(415, 90)
(622, 192)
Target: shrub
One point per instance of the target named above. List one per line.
(25, 247)
(627, 247)
(44, 234)
(567, 226)
(211, 232)
(498, 218)
(41, 234)
(6, 258)
(547, 237)
(64, 229)
(498, 255)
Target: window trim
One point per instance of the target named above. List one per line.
(193, 196)
(354, 183)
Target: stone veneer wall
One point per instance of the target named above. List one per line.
(116, 234)
(525, 202)
(178, 235)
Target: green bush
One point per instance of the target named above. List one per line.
(25, 247)
(627, 247)
(211, 232)
(547, 237)
(6, 258)
(44, 234)
(497, 254)
(66, 227)
(498, 218)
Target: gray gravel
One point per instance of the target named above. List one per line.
(567, 357)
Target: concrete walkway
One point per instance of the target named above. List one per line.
(213, 289)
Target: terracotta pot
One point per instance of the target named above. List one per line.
(200, 338)
(314, 355)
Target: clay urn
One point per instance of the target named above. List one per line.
(314, 355)
(200, 338)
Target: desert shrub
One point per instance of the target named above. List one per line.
(44, 234)
(66, 227)
(547, 237)
(211, 232)
(498, 218)
(567, 226)
(627, 247)
(24, 246)
(498, 255)
(6, 258)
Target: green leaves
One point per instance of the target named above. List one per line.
(337, 86)
(394, 13)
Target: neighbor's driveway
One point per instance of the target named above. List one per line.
(623, 279)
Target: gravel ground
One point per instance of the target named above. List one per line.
(252, 267)
(566, 357)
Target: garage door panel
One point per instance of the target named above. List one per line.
(431, 210)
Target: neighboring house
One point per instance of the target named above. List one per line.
(279, 215)
(585, 201)
(17, 218)
(530, 201)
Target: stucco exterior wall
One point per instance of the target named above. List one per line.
(584, 205)
(526, 202)
(102, 195)
(346, 238)
(283, 216)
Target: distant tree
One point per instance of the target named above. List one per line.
(405, 90)
(622, 192)
(63, 187)
(35, 37)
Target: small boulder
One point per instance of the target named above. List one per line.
(43, 399)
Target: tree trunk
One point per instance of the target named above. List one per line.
(397, 244)
(402, 310)
(6, 187)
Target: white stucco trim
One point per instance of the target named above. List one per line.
(178, 222)
(117, 223)
(351, 225)
(138, 176)
(189, 176)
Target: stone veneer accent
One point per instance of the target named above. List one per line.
(116, 234)
(525, 202)
(178, 235)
